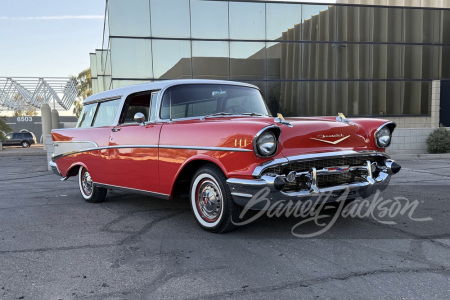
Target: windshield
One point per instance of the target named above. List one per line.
(197, 100)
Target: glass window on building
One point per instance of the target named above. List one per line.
(171, 59)
(117, 83)
(247, 21)
(209, 19)
(210, 59)
(170, 18)
(319, 24)
(247, 60)
(131, 58)
(389, 22)
(129, 18)
(280, 17)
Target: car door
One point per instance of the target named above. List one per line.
(9, 140)
(17, 138)
(133, 147)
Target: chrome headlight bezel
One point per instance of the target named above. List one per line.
(384, 131)
(267, 133)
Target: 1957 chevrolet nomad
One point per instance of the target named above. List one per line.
(217, 141)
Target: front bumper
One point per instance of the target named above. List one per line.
(269, 187)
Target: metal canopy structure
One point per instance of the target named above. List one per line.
(19, 93)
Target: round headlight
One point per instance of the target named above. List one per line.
(383, 137)
(266, 144)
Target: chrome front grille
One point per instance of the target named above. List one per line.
(326, 179)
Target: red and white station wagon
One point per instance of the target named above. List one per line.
(217, 141)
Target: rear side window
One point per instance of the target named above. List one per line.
(87, 115)
(27, 135)
(106, 113)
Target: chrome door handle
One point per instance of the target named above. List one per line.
(115, 129)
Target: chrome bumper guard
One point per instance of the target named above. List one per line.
(243, 190)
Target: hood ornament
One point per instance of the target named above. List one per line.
(342, 118)
(280, 119)
(322, 138)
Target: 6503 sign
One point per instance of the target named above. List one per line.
(24, 119)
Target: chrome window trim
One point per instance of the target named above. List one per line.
(285, 160)
(379, 128)
(102, 100)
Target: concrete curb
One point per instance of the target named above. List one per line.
(33, 151)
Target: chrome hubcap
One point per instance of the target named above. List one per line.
(86, 182)
(209, 200)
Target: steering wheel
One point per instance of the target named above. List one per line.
(235, 109)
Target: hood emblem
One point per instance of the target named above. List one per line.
(322, 138)
(280, 119)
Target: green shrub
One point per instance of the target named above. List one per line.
(439, 141)
(3, 127)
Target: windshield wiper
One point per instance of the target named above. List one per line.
(252, 114)
(217, 114)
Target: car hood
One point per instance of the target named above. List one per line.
(303, 135)
(313, 135)
(322, 134)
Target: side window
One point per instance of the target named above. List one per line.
(137, 103)
(106, 113)
(87, 115)
(17, 136)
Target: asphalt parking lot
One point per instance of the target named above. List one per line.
(56, 246)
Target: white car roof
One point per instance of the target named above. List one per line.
(156, 85)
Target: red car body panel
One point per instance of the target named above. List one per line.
(156, 166)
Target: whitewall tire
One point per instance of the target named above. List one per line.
(88, 190)
(211, 200)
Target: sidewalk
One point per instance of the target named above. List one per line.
(34, 150)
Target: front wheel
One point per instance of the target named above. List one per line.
(89, 191)
(211, 201)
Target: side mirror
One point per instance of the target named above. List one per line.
(139, 118)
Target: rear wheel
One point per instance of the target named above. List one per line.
(89, 191)
(25, 144)
(211, 201)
